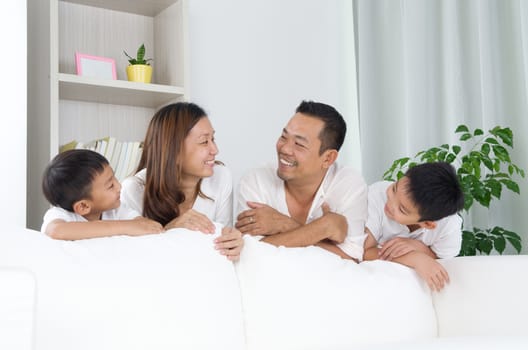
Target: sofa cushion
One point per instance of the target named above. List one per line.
(168, 291)
(17, 305)
(487, 295)
(308, 298)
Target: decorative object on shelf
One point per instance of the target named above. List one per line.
(95, 66)
(484, 168)
(139, 69)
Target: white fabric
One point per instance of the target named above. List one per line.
(308, 298)
(166, 291)
(218, 187)
(17, 306)
(54, 213)
(458, 343)
(343, 189)
(445, 239)
(426, 66)
(487, 296)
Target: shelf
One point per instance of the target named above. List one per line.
(141, 7)
(118, 92)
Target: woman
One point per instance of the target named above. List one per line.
(178, 182)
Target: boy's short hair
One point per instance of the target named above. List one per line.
(435, 190)
(68, 177)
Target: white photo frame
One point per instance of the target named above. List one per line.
(95, 66)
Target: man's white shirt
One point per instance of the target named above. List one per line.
(343, 189)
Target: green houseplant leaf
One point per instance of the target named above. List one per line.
(140, 56)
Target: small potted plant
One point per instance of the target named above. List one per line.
(139, 69)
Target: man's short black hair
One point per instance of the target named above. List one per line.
(333, 133)
(68, 177)
(435, 190)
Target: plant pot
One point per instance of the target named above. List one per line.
(141, 73)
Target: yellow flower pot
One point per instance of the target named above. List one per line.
(141, 73)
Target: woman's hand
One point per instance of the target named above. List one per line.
(230, 243)
(192, 220)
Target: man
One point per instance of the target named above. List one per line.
(307, 199)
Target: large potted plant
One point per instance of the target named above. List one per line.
(484, 168)
(139, 69)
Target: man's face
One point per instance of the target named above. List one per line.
(399, 206)
(298, 150)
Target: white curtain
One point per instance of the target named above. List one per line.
(425, 66)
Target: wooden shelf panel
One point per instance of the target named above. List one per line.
(141, 7)
(119, 92)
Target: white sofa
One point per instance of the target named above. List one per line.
(174, 291)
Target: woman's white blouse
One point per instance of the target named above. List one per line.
(218, 187)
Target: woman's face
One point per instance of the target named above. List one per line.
(199, 151)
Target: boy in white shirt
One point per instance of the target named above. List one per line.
(81, 186)
(414, 221)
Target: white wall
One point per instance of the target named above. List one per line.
(13, 36)
(252, 62)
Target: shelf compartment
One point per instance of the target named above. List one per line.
(118, 92)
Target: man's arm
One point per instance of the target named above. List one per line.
(330, 226)
(60, 229)
(261, 219)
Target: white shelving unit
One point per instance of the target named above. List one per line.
(63, 106)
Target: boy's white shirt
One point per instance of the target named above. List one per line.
(444, 240)
(54, 213)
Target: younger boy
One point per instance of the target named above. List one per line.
(414, 221)
(81, 186)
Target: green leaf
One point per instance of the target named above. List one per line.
(492, 141)
(511, 185)
(445, 146)
(485, 148)
(465, 137)
(499, 243)
(461, 128)
(478, 132)
(141, 53)
(516, 243)
(485, 246)
(501, 153)
(456, 149)
(494, 187)
(450, 158)
(506, 136)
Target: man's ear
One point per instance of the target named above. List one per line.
(430, 225)
(329, 157)
(82, 207)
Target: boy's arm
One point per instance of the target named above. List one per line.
(432, 272)
(399, 246)
(60, 229)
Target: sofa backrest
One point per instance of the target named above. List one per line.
(487, 295)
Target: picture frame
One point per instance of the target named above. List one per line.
(95, 66)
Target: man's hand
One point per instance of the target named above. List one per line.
(399, 246)
(262, 219)
(431, 271)
(230, 243)
(192, 220)
(336, 225)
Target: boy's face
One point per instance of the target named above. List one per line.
(106, 191)
(399, 206)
